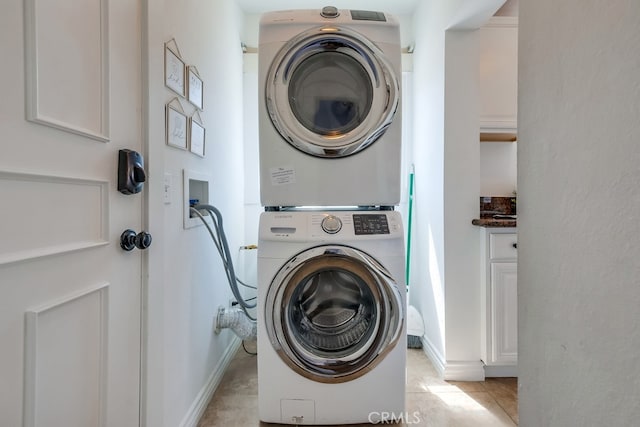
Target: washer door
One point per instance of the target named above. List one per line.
(331, 93)
(332, 313)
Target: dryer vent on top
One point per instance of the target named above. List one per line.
(329, 115)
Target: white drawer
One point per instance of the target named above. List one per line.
(503, 246)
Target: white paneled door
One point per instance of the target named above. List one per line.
(70, 297)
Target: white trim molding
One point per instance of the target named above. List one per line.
(86, 213)
(454, 370)
(62, 78)
(436, 358)
(201, 401)
(37, 342)
(464, 370)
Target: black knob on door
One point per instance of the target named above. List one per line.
(143, 240)
(129, 240)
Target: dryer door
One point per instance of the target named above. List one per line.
(331, 93)
(332, 313)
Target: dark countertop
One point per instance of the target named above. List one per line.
(494, 222)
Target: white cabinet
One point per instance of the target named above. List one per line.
(504, 313)
(499, 289)
(498, 75)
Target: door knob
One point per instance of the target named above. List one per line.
(129, 240)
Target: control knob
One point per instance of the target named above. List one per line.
(330, 12)
(331, 224)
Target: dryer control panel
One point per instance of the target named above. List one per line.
(367, 15)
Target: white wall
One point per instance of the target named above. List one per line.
(578, 175)
(251, 97)
(186, 279)
(427, 265)
(498, 168)
(461, 195)
(445, 264)
(509, 8)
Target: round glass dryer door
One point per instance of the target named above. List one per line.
(332, 313)
(331, 93)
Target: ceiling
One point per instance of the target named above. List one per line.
(396, 7)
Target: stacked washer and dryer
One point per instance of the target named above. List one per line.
(331, 291)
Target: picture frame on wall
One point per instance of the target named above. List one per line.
(197, 134)
(195, 89)
(176, 125)
(174, 68)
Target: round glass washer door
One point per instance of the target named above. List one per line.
(332, 313)
(331, 93)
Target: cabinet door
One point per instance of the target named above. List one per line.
(504, 312)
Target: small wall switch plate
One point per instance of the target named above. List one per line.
(167, 188)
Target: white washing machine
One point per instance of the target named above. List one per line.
(329, 110)
(331, 317)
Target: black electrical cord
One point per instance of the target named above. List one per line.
(248, 299)
(247, 351)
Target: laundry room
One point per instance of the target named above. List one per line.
(209, 144)
(245, 212)
(205, 81)
(468, 167)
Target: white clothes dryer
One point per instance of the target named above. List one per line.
(329, 110)
(331, 317)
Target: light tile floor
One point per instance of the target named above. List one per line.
(431, 401)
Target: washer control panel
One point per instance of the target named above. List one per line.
(364, 224)
(343, 225)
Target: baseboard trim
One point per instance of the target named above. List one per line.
(434, 355)
(204, 396)
(465, 370)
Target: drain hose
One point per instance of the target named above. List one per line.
(236, 320)
(220, 241)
